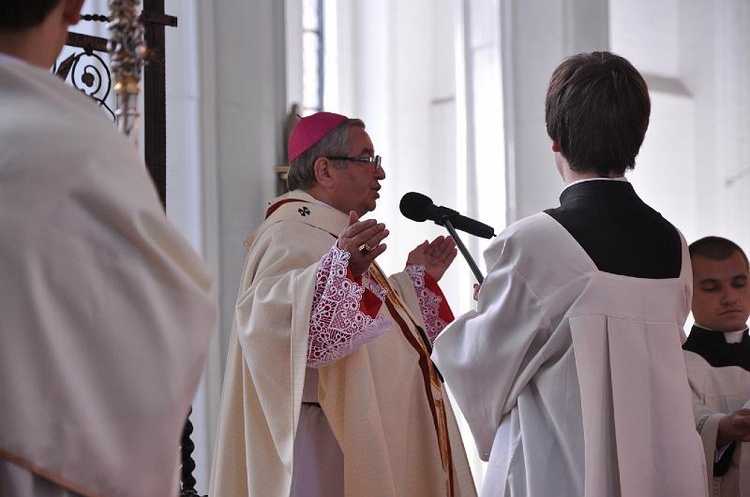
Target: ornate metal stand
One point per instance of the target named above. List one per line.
(154, 85)
(127, 52)
(89, 72)
(187, 487)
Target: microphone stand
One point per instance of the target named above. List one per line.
(474, 269)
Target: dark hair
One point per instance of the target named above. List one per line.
(21, 14)
(302, 168)
(597, 110)
(715, 248)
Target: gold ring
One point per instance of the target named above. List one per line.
(364, 248)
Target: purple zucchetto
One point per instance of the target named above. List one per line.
(310, 130)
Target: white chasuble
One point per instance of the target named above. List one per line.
(385, 406)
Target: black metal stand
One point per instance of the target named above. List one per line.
(462, 248)
(155, 93)
(187, 481)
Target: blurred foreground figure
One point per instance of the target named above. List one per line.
(105, 310)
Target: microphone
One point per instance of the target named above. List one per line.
(418, 207)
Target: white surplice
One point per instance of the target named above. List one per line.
(718, 391)
(106, 311)
(572, 379)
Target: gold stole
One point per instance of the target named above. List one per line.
(432, 379)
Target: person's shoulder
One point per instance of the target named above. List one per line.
(43, 103)
(698, 365)
(21, 81)
(289, 229)
(291, 234)
(694, 360)
(534, 240)
(699, 372)
(51, 130)
(732, 382)
(534, 231)
(524, 226)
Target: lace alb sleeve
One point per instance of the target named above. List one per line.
(431, 303)
(338, 321)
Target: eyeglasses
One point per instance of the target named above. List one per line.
(370, 160)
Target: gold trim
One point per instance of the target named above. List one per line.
(59, 480)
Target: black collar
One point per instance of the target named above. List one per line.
(610, 188)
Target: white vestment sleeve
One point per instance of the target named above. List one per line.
(498, 341)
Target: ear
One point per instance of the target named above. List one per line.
(323, 170)
(72, 11)
(555, 146)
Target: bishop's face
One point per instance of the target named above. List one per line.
(721, 293)
(357, 183)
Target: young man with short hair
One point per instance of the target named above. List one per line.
(569, 371)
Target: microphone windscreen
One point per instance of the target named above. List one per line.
(415, 206)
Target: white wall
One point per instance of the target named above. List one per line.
(225, 114)
(397, 72)
(536, 36)
(694, 56)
